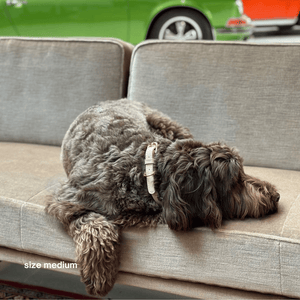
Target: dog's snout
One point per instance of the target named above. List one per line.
(276, 197)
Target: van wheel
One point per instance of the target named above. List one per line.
(181, 24)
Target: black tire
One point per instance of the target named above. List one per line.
(181, 24)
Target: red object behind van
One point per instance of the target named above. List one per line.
(272, 12)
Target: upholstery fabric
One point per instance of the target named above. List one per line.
(184, 288)
(46, 83)
(256, 255)
(244, 94)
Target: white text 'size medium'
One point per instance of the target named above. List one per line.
(60, 265)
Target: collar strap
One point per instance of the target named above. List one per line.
(149, 174)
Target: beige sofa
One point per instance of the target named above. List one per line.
(244, 94)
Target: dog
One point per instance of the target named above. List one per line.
(130, 165)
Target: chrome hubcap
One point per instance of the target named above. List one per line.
(180, 28)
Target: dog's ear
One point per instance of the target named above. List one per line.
(205, 193)
(225, 168)
(210, 212)
(190, 195)
(190, 190)
(226, 165)
(177, 173)
(176, 211)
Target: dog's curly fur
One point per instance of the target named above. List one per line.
(103, 155)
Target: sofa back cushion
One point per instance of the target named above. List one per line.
(46, 83)
(246, 95)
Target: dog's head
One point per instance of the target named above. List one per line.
(203, 184)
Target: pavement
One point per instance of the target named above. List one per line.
(274, 35)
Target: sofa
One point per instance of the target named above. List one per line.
(244, 94)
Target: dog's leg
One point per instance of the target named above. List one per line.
(97, 251)
(96, 240)
(166, 127)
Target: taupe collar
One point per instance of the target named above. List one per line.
(149, 162)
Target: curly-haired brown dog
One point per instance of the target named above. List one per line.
(103, 154)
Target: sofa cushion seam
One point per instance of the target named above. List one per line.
(283, 226)
(21, 213)
(211, 43)
(280, 244)
(280, 268)
(21, 225)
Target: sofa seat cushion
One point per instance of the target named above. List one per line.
(257, 255)
(28, 173)
(28, 169)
